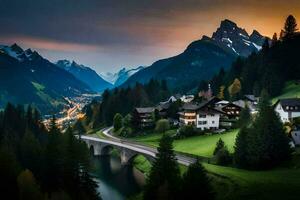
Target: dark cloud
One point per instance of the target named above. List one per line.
(149, 29)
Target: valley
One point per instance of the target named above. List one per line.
(160, 100)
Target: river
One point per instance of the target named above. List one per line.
(116, 182)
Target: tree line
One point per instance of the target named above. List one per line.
(269, 69)
(41, 163)
(123, 100)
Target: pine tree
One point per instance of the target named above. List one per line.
(265, 144)
(28, 187)
(240, 148)
(290, 27)
(164, 179)
(274, 38)
(196, 184)
(31, 153)
(245, 117)
(219, 145)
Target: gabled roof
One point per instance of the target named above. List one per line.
(240, 103)
(145, 110)
(231, 104)
(190, 106)
(290, 102)
(163, 106)
(210, 110)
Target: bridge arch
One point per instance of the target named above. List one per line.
(141, 158)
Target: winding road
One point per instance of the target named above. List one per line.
(150, 151)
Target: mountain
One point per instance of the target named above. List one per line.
(229, 35)
(28, 78)
(85, 74)
(121, 76)
(202, 58)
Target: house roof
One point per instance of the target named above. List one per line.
(163, 106)
(230, 104)
(223, 102)
(190, 106)
(211, 111)
(291, 102)
(240, 103)
(145, 110)
(250, 97)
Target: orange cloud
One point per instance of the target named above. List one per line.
(47, 44)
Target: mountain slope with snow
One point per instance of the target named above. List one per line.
(28, 78)
(121, 76)
(85, 74)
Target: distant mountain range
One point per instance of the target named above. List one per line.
(86, 75)
(121, 76)
(202, 58)
(28, 78)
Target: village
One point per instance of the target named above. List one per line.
(214, 115)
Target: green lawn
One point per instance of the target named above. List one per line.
(280, 183)
(232, 183)
(291, 90)
(142, 164)
(198, 145)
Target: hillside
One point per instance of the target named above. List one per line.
(290, 90)
(85, 74)
(272, 69)
(28, 78)
(203, 58)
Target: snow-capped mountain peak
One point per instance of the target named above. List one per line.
(18, 53)
(237, 39)
(121, 76)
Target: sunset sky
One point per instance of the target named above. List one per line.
(111, 34)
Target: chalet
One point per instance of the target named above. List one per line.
(203, 116)
(162, 108)
(288, 109)
(208, 118)
(188, 114)
(143, 117)
(231, 110)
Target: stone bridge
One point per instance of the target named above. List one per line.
(127, 150)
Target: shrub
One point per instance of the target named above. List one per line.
(118, 121)
(162, 125)
(126, 132)
(223, 157)
(186, 131)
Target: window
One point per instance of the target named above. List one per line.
(213, 122)
(202, 116)
(212, 115)
(202, 122)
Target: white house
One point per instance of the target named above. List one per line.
(203, 116)
(208, 119)
(288, 109)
